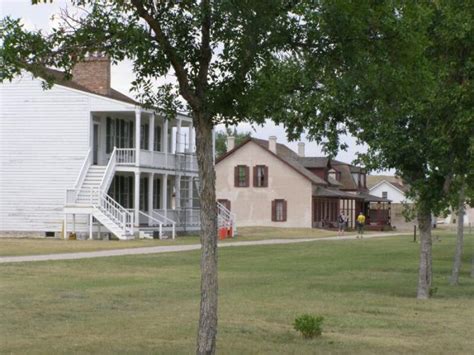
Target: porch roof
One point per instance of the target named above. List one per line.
(371, 198)
(319, 191)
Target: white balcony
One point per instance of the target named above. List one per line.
(157, 160)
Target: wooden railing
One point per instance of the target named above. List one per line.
(225, 218)
(125, 156)
(109, 172)
(114, 211)
(152, 159)
(157, 215)
(71, 194)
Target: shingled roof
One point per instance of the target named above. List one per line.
(284, 153)
(59, 79)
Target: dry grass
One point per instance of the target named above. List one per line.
(365, 289)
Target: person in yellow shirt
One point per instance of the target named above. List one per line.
(360, 224)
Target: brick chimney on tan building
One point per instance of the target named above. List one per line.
(93, 73)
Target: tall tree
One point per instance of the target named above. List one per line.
(214, 50)
(398, 76)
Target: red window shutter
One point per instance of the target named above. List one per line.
(284, 210)
(265, 171)
(247, 176)
(236, 176)
(255, 177)
(273, 210)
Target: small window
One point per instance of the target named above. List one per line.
(279, 210)
(157, 142)
(241, 176)
(384, 194)
(260, 176)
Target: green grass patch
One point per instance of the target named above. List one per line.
(365, 289)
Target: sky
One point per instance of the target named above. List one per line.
(42, 17)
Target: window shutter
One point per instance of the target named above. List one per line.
(265, 181)
(273, 210)
(255, 177)
(247, 176)
(236, 176)
(284, 211)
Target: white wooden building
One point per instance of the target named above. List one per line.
(83, 157)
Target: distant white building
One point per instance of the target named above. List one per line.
(394, 191)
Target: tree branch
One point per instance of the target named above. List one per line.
(205, 52)
(170, 52)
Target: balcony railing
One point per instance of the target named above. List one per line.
(157, 160)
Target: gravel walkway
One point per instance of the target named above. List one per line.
(175, 248)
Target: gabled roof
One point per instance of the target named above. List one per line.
(283, 153)
(401, 188)
(59, 78)
(314, 162)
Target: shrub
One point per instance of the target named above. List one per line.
(309, 326)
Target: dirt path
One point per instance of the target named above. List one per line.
(175, 248)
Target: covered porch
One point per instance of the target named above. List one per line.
(327, 204)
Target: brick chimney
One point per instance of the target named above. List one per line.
(301, 152)
(272, 144)
(230, 143)
(93, 73)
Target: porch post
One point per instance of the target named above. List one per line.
(190, 138)
(151, 133)
(151, 178)
(138, 126)
(137, 198)
(164, 140)
(90, 227)
(178, 137)
(65, 227)
(190, 192)
(177, 187)
(164, 193)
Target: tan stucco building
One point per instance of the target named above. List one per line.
(267, 184)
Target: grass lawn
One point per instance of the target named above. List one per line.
(36, 246)
(149, 304)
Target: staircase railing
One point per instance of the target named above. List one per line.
(225, 218)
(156, 215)
(152, 221)
(116, 212)
(71, 194)
(109, 172)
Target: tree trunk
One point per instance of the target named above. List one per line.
(206, 339)
(425, 272)
(459, 241)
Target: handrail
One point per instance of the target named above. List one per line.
(116, 212)
(72, 193)
(226, 217)
(84, 168)
(166, 219)
(109, 172)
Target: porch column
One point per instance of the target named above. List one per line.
(151, 133)
(190, 138)
(177, 187)
(190, 192)
(178, 147)
(138, 126)
(136, 197)
(90, 227)
(151, 178)
(164, 140)
(164, 193)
